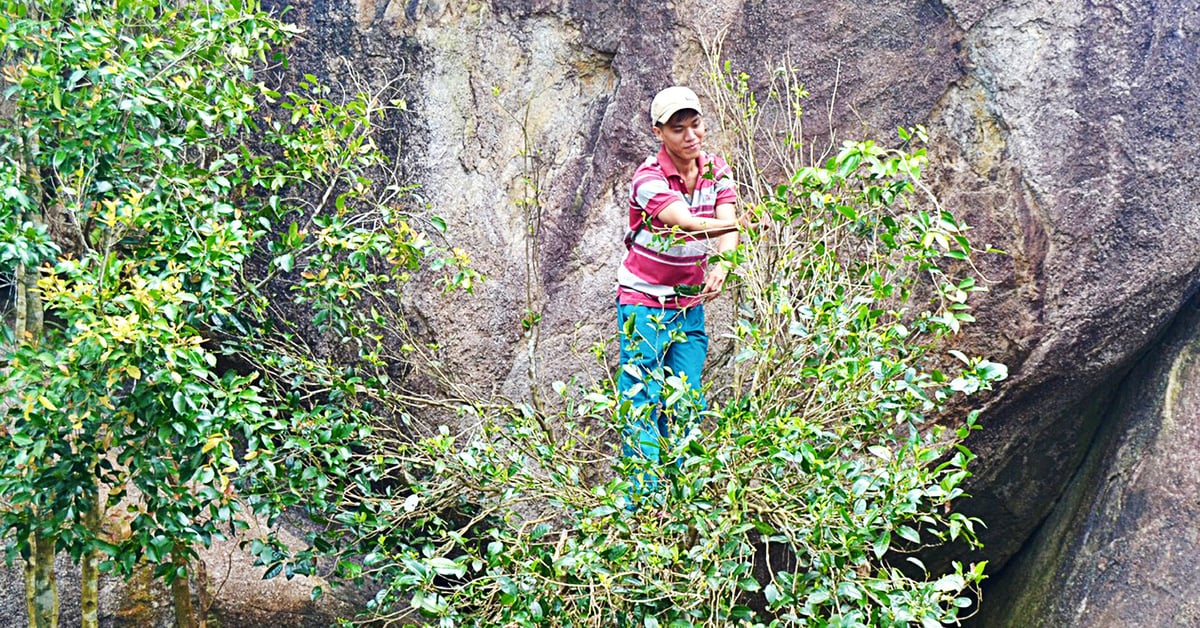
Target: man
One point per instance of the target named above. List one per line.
(681, 212)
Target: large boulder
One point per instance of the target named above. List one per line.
(1120, 549)
(1073, 135)
(512, 102)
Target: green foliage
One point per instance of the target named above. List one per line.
(184, 222)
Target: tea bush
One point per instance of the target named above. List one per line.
(834, 456)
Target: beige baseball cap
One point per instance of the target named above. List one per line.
(670, 100)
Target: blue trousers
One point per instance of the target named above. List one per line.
(662, 355)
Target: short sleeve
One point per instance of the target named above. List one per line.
(651, 191)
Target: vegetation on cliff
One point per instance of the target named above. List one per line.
(207, 321)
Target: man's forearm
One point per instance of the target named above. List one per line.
(712, 227)
(727, 242)
(679, 217)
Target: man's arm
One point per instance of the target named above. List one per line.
(714, 279)
(725, 224)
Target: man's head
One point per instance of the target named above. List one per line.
(673, 102)
(678, 123)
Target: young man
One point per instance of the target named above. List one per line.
(681, 212)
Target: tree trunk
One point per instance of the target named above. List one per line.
(44, 613)
(202, 597)
(89, 571)
(41, 584)
(181, 590)
(30, 584)
(41, 594)
(21, 324)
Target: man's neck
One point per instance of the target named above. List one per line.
(688, 169)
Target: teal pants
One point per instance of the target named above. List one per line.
(662, 355)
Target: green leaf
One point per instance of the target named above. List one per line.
(949, 583)
(908, 534)
(849, 590)
(273, 570)
(771, 594)
(285, 262)
(447, 567)
(601, 511)
(881, 544)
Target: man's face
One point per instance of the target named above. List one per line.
(682, 135)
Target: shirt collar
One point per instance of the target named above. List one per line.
(668, 166)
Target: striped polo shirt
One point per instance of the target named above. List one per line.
(661, 259)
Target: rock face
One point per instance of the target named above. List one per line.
(515, 102)
(1120, 549)
(1074, 130)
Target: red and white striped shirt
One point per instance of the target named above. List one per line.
(661, 259)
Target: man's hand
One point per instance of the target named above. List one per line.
(714, 281)
(747, 222)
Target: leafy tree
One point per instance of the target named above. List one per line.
(159, 225)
